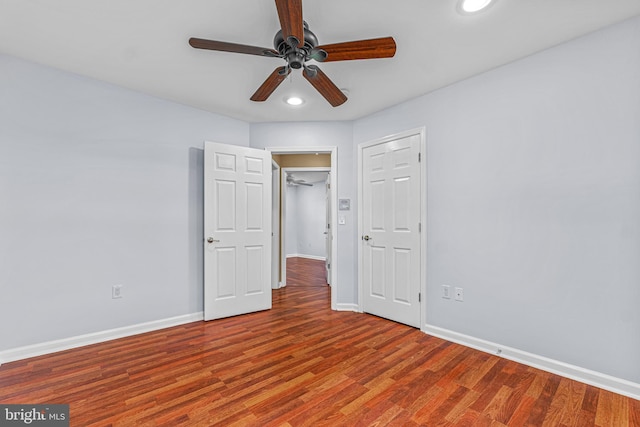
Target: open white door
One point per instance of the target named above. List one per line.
(391, 213)
(237, 226)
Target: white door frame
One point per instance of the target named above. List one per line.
(333, 151)
(275, 225)
(423, 215)
(328, 228)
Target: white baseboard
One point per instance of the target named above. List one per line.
(348, 307)
(317, 258)
(597, 379)
(94, 338)
(280, 285)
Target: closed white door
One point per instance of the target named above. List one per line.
(391, 229)
(237, 224)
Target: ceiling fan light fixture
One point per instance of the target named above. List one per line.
(473, 6)
(294, 100)
(297, 45)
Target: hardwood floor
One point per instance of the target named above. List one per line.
(301, 364)
(305, 272)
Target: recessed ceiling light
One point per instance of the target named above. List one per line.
(473, 6)
(294, 100)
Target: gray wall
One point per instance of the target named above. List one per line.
(306, 216)
(291, 218)
(534, 201)
(98, 186)
(325, 134)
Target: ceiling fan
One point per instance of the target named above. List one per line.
(296, 44)
(292, 181)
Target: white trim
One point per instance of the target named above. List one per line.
(314, 257)
(422, 132)
(40, 349)
(348, 307)
(275, 225)
(597, 379)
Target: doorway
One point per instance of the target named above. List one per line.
(302, 159)
(306, 220)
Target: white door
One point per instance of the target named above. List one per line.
(328, 227)
(391, 229)
(237, 226)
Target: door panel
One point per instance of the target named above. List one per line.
(391, 236)
(402, 275)
(237, 265)
(377, 275)
(225, 206)
(254, 267)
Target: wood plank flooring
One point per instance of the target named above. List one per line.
(301, 364)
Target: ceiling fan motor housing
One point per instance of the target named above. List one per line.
(295, 56)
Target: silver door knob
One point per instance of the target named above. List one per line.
(367, 238)
(211, 240)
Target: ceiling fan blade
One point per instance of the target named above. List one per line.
(324, 85)
(384, 47)
(269, 85)
(231, 47)
(291, 22)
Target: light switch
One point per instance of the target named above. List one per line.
(342, 220)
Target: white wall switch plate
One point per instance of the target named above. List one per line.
(459, 294)
(116, 291)
(446, 291)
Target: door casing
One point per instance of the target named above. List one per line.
(275, 225)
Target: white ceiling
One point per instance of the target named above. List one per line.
(142, 45)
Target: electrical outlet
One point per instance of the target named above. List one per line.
(459, 294)
(116, 291)
(446, 291)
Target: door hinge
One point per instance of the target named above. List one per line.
(419, 157)
(419, 227)
(419, 297)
